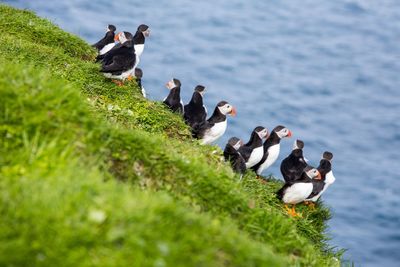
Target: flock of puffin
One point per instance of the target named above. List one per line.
(119, 55)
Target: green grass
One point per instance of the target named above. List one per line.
(92, 174)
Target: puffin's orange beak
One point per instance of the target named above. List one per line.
(319, 177)
(233, 112)
(116, 37)
(289, 134)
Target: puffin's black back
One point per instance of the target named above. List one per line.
(173, 100)
(236, 160)
(107, 39)
(318, 186)
(292, 166)
(194, 110)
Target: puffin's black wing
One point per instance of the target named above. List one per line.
(281, 192)
(121, 60)
(264, 158)
(292, 168)
(239, 164)
(318, 186)
(199, 129)
(235, 158)
(108, 38)
(245, 151)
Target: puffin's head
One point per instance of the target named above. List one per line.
(200, 89)
(327, 155)
(298, 144)
(173, 83)
(262, 132)
(235, 142)
(312, 173)
(143, 28)
(122, 37)
(111, 28)
(138, 73)
(282, 131)
(226, 108)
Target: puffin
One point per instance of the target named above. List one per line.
(107, 39)
(119, 62)
(327, 177)
(234, 157)
(107, 48)
(173, 100)
(139, 75)
(212, 129)
(298, 191)
(293, 165)
(272, 148)
(253, 150)
(139, 38)
(195, 111)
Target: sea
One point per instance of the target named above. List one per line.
(327, 70)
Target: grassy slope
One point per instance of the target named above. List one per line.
(93, 174)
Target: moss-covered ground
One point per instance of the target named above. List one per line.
(92, 174)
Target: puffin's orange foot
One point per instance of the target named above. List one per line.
(292, 212)
(117, 82)
(130, 78)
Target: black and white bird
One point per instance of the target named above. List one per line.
(173, 100)
(139, 75)
(195, 111)
(298, 191)
(293, 165)
(108, 47)
(119, 62)
(212, 129)
(139, 39)
(232, 155)
(107, 39)
(272, 148)
(253, 150)
(327, 177)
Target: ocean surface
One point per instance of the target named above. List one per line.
(327, 70)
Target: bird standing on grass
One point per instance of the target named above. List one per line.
(119, 62)
(272, 148)
(195, 111)
(232, 155)
(212, 129)
(106, 40)
(298, 191)
(293, 165)
(173, 100)
(327, 178)
(139, 39)
(253, 150)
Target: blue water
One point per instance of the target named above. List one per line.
(328, 70)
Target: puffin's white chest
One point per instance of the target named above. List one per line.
(255, 157)
(329, 178)
(215, 132)
(273, 153)
(297, 193)
(139, 49)
(106, 48)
